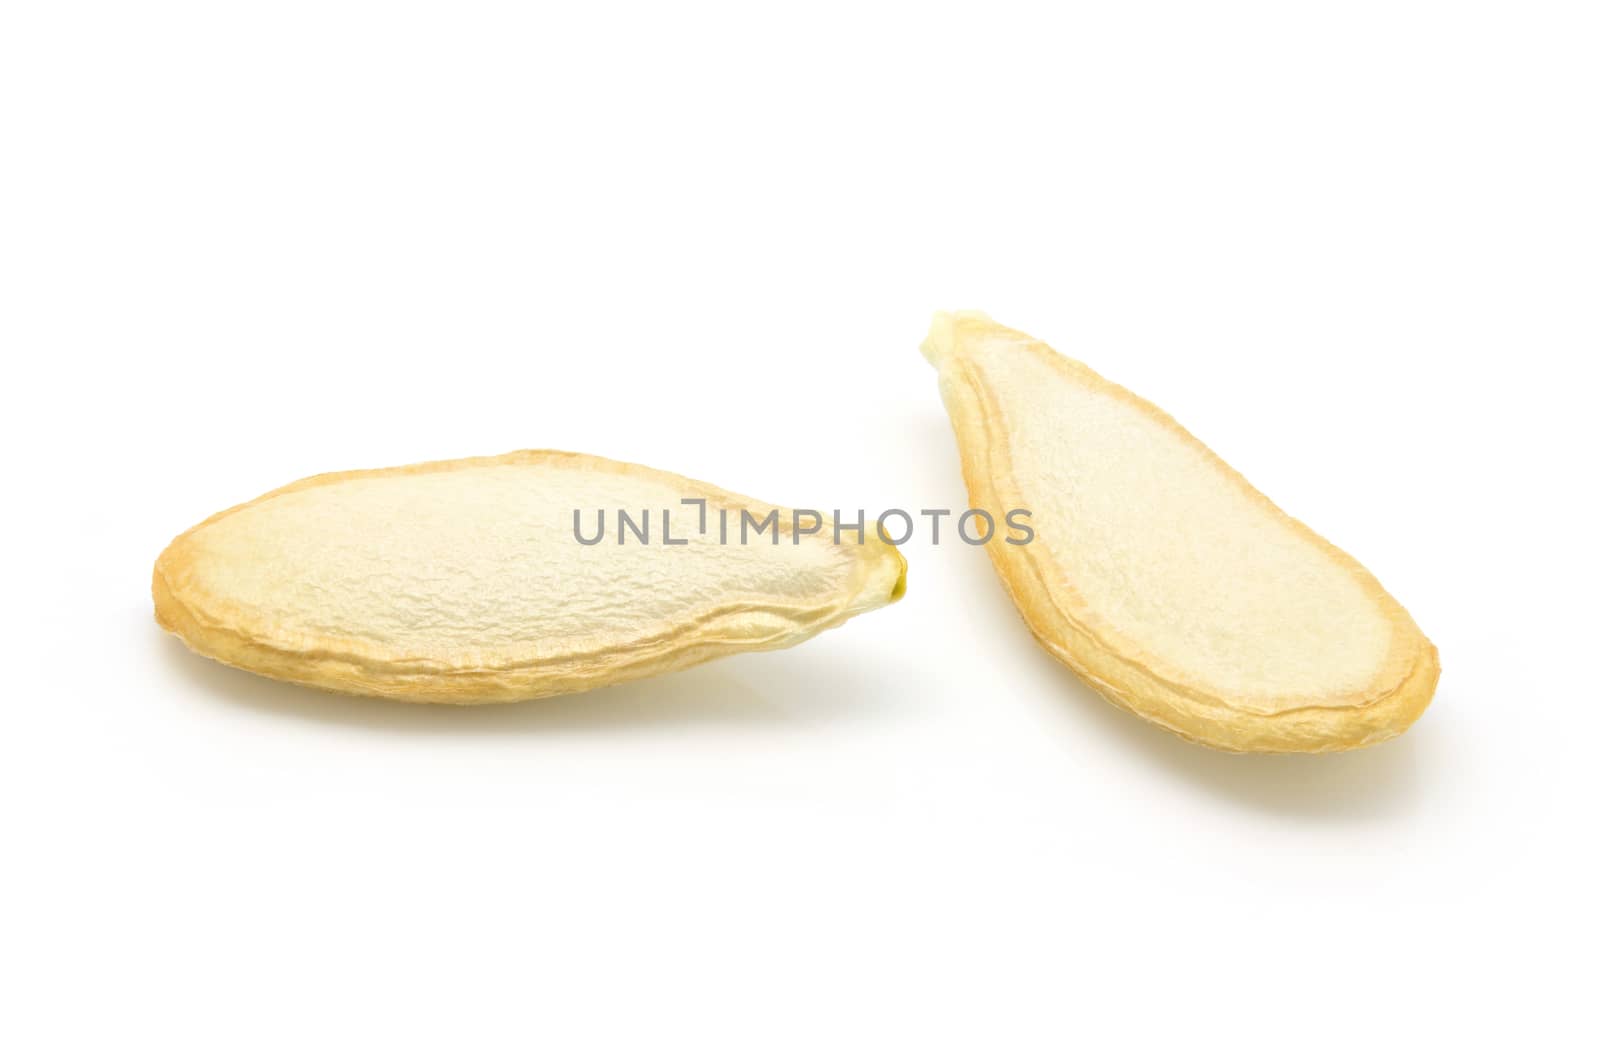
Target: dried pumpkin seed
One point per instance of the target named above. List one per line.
(1158, 574)
(465, 582)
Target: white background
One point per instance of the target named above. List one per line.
(1352, 246)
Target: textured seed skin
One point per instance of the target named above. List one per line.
(1158, 574)
(463, 582)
